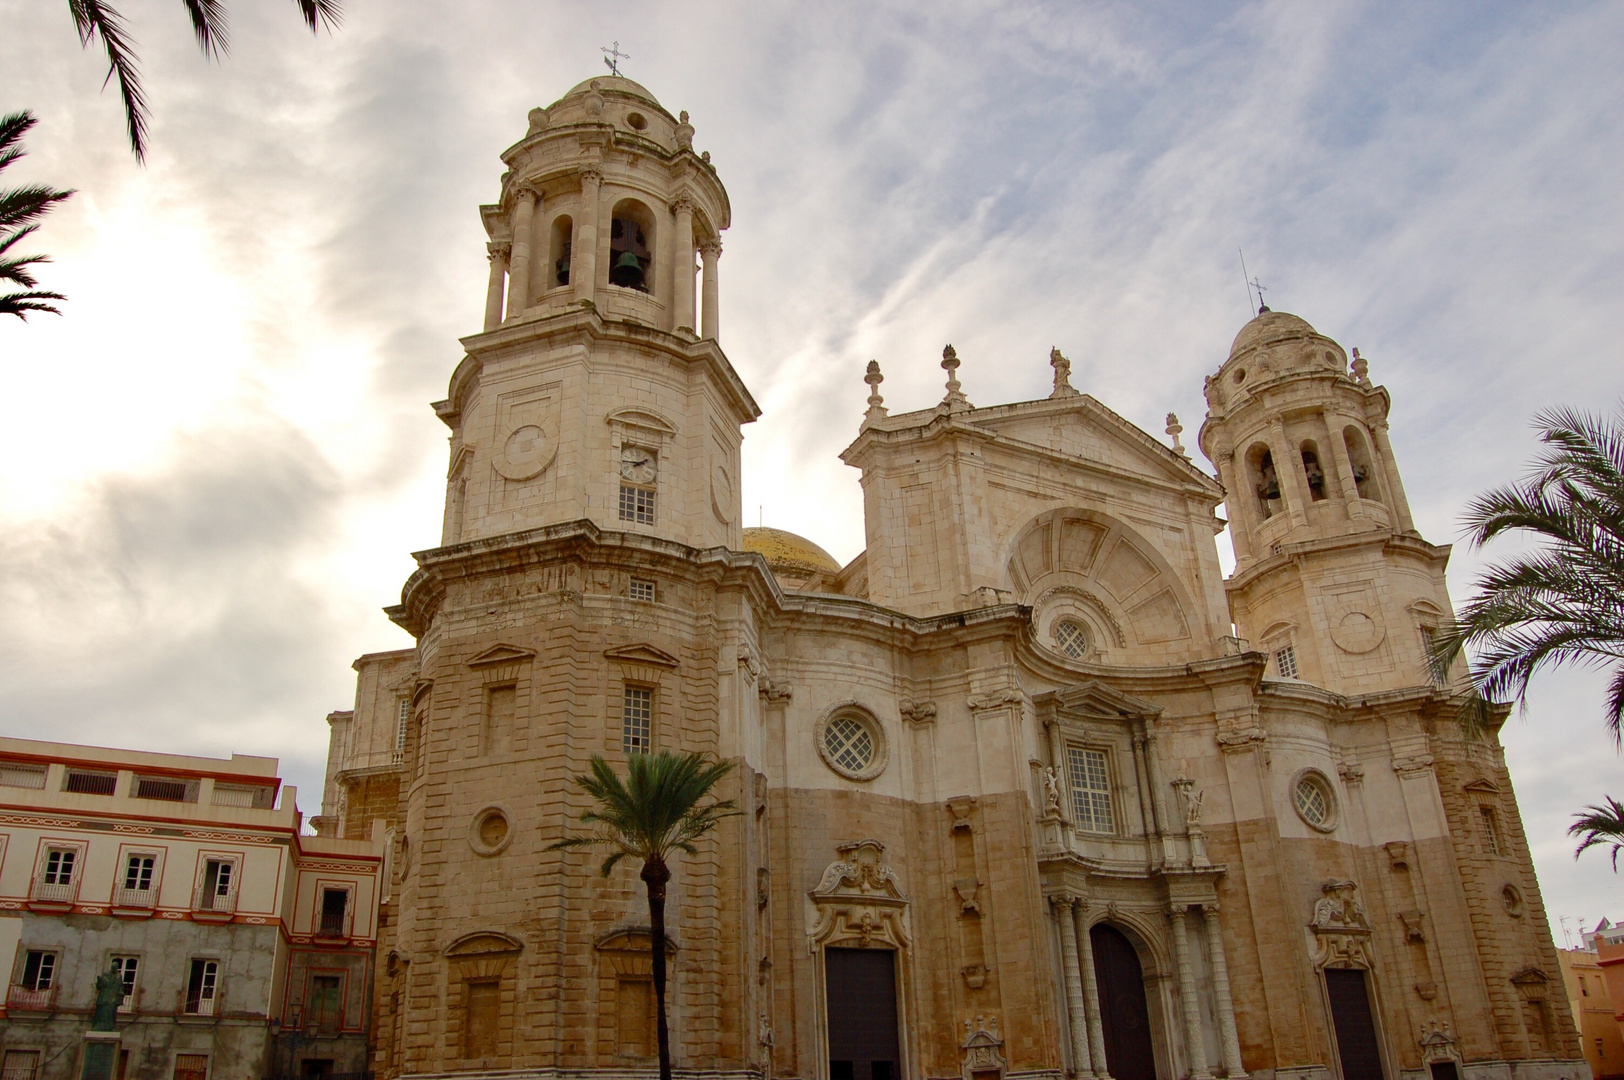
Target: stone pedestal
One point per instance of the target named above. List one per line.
(101, 1055)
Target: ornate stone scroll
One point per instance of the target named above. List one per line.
(983, 1048)
(858, 902)
(1341, 928)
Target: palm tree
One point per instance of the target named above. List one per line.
(1562, 602)
(93, 18)
(652, 816)
(20, 211)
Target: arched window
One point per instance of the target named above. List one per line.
(1364, 477)
(559, 251)
(1266, 481)
(1312, 471)
(631, 246)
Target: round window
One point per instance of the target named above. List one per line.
(489, 832)
(1314, 801)
(851, 742)
(1072, 638)
(637, 121)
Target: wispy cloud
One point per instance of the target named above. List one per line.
(216, 462)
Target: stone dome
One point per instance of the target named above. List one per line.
(613, 82)
(789, 554)
(1266, 327)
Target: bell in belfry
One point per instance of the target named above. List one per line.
(627, 271)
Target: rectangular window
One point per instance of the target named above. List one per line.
(242, 795)
(1285, 662)
(637, 504)
(484, 1000)
(191, 1067)
(138, 872)
(323, 1013)
(637, 720)
(403, 716)
(642, 590)
(90, 783)
(59, 864)
(39, 970)
(501, 709)
(163, 788)
(17, 774)
(218, 877)
(1491, 829)
(202, 986)
(334, 902)
(126, 968)
(1090, 790)
(20, 1065)
(1584, 988)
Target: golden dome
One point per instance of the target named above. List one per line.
(789, 554)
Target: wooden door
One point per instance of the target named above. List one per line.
(1355, 1024)
(1123, 1012)
(862, 1006)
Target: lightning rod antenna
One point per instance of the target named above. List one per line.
(1247, 281)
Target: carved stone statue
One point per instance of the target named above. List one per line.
(1051, 791)
(109, 996)
(1192, 807)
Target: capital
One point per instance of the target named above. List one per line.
(591, 177)
(524, 193)
(1177, 912)
(682, 204)
(1062, 901)
(1209, 909)
(711, 249)
(498, 251)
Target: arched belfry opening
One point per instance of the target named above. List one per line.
(1313, 471)
(631, 246)
(1364, 477)
(559, 250)
(1265, 479)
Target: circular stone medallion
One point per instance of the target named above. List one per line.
(526, 452)
(722, 495)
(1357, 633)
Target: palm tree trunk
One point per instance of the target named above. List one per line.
(655, 875)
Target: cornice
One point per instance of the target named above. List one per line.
(1295, 552)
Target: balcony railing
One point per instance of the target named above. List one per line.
(22, 999)
(209, 900)
(134, 898)
(332, 924)
(202, 1006)
(131, 1000)
(56, 894)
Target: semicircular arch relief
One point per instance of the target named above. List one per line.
(1109, 577)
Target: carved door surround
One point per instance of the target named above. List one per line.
(858, 903)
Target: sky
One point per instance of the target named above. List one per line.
(218, 460)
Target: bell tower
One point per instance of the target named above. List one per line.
(598, 389)
(1331, 578)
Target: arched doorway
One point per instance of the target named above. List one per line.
(1123, 1012)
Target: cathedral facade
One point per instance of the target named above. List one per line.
(1029, 788)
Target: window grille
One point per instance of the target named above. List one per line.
(642, 590)
(242, 795)
(1491, 829)
(16, 774)
(90, 783)
(191, 1066)
(403, 716)
(637, 504)
(637, 719)
(1090, 784)
(20, 1065)
(849, 743)
(1071, 638)
(1285, 662)
(162, 788)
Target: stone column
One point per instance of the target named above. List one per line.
(709, 252)
(1220, 985)
(1074, 985)
(524, 211)
(498, 254)
(1288, 469)
(1395, 486)
(1194, 1045)
(1153, 769)
(1338, 446)
(1240, 517)
(682, 265)
(1091, 991)
(584, 248)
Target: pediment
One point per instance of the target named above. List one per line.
(1096, 699)
(1483, 787)
(642, 653)
(632, 939)
(1082, 427)
(484, 943)
(500, 654)
(641, 418)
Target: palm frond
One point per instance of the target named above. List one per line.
(209, 25)
(20, 304)
(320, 13)
(96, 19)
(20, 211)
(1599, 825)
(655, 810)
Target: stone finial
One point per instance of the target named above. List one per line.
(705, 157)
(1062, 374)
(955, 401)
(685, 132)
(876, 403)
(538, 122)
(1361, 368)
(1174, 430)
